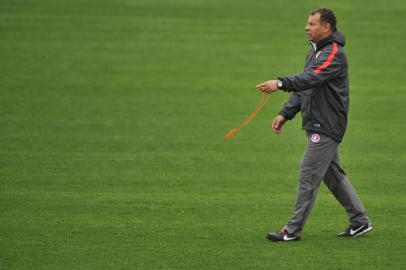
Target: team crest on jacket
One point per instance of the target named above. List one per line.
(315, 138)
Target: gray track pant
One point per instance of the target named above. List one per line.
(321, 161)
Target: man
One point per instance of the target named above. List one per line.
(320, 92)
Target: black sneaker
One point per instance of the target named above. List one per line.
(355, 231)
(282, 235)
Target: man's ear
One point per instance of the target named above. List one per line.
(326, 27)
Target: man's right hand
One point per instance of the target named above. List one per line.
(277, 124)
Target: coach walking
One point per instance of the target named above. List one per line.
(320, 92)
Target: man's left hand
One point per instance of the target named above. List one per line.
(268, 86)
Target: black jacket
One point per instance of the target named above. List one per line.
(320, 92)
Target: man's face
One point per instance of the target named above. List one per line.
(315, 30)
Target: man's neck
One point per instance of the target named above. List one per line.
(324, 37)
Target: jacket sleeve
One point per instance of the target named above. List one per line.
(327, 66)
(292, 106)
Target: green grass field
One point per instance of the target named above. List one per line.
(112, 118)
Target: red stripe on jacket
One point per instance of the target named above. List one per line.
(328, 60)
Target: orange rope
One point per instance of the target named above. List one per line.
(262, 102)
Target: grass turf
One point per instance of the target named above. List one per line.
(112, 118)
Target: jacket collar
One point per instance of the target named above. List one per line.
(320, 44)
(336, 36)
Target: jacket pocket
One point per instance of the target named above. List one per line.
(306, 107)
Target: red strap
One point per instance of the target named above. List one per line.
(328, 60)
